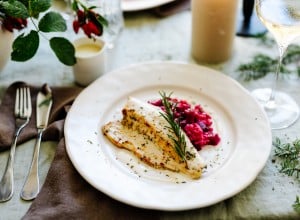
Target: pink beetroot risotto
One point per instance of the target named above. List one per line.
(196, 123)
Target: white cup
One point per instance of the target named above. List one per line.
(91, 60)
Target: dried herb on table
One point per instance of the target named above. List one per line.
(266, 40)
(292, 55)
(289, 154)
(179, 140)
(296, 204)
(259, 67)
(262, 64)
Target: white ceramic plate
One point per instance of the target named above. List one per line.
(232, 166)
(136, 5)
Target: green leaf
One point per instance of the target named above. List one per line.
(14, 9)
(25, 2)
(102, 20)
(52, 22)
(64, 50)
(25, 46)
(75, 6)
(92, 7)
(38, 6)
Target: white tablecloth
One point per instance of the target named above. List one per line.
(147, 38)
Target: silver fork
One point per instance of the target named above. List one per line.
(23, 111)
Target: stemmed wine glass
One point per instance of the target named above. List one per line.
(282, 19)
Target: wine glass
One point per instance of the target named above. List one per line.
(282, 19)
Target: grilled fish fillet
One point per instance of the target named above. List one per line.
(144, 132)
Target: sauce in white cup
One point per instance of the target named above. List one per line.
(87, 50)
(91, 60)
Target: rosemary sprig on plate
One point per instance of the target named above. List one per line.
(289, 153)
(179, 139)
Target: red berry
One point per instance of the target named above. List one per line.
(81, 16)
(94, 29)
(76, 26)
(87, 30)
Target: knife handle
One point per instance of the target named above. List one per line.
(32, 186)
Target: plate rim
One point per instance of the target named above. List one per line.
(138, 5)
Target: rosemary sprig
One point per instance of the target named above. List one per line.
(296, 204)
(289, 153)
(258, 68)
(48, 95)
(265, 40)
(179, 139)
(262, 64)
(46, 101)
(292, 54)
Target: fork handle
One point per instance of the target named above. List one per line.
(32, 186)
(7, 181)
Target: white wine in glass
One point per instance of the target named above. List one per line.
(282, 19)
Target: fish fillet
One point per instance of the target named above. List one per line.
(144, 132)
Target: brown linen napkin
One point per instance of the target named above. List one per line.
(63, 97)
(172, 8)
(65, 194)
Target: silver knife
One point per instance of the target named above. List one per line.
(43, 107)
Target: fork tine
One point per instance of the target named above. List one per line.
(17, 102)
(29, 108)
(25, 103)
(22, 103)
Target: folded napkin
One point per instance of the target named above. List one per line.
(63, 97)
(65, 194)
(172, 8)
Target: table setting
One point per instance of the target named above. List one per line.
(61, 165)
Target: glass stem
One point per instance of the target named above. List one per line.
(271, 104)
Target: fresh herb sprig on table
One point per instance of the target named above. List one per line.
(296, 204)
(266, 40)
(262, 64)
(179, 140)
(289, 153)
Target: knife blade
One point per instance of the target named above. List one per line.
(43, 107)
